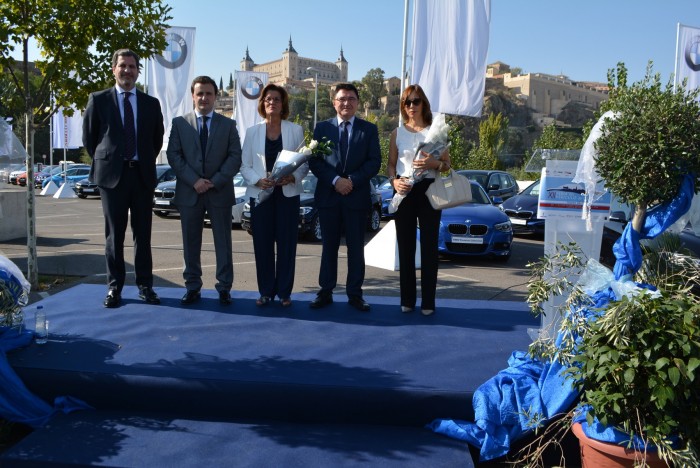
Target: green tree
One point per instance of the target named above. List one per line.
(492, 139)
(221, 85)
(230, 82)
(76, 40)
(459, 145)
(373, 87)
(553, 138)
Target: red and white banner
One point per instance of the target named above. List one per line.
(67, 131)
(450, 44)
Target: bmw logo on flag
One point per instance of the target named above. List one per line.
(175, 52)
(252, 88)
(692, 53)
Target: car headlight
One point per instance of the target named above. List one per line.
(500, 207)
(304, 210)
(246, 207)
(503, 227)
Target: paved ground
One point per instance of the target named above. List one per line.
(70, 243)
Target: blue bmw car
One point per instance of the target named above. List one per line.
(477, 228)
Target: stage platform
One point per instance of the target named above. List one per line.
(297, 369)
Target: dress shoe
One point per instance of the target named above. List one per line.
(427, 311)
(406, 309)
(113, 299)
(224, 297)
(191, 296)
(322, 300)
(262, 301)
(149, 295)
(358, 303)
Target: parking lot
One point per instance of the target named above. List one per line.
(70, 242)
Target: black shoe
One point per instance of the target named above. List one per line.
(149, 295)
(224, 297)
(322, 300)
(358, 303)
(191, 296)
(113, 299)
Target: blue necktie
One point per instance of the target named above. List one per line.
(344, 142)
(129, 129)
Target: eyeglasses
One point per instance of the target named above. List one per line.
(350, 100)
(413, 102)
(270, 100)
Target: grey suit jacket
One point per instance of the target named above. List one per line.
(221, 162)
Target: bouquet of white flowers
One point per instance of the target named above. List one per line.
(14, 293)
(289, 161)
(436, 141)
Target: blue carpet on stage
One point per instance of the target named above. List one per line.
(208, 362)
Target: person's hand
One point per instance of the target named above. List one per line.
(343, 185)
(265, 183)
(402, 186)
(426, 162)
(202, 185)
(287, 180)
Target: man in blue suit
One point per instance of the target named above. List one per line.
(343, 196)
(123, 134)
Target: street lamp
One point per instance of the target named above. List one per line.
(316, 72)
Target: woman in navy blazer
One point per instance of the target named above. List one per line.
(274, 222)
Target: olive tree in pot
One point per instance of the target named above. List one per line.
(636, 362)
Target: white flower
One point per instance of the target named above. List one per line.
(313, 144)
(306, 151)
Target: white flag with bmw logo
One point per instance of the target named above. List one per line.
(170, 75)
(688, 56)
(249, 85)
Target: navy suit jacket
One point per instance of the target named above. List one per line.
(103, 137)
(363, 162)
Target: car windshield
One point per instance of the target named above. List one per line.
(482, 179)
(479, 197)
(533, 190)
(239, 181)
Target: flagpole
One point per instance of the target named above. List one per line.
(403, 54)
(51, 131)
(675, 65)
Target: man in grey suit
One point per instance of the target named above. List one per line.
(123, 134)
(205, 152)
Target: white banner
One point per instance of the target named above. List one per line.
(67, 131)
(249, 85)
(688, 56)
(450, 43)
(170, 76)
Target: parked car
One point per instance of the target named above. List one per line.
(72, 175)
(477, 228)
(522, 211)
(45, 172)
(164, 196)
(496, 183)
(309, 225)
(378, 180)
(7, 169)
(386, 191)
(86, 187)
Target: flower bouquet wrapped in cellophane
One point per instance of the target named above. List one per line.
(436, 142)
(14, 293)
(289, 161)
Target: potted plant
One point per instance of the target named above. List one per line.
(636, 359)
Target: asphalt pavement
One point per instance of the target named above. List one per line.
(70, 246)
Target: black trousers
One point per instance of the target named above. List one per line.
(130, 197)
(415, 209)
(275, 228)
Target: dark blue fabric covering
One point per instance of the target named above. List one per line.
(528, 386)
(17, 403)
(137, 440)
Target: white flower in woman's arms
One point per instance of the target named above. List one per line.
(317, 148)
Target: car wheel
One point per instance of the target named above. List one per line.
(81, 195)
(374, 221)
(314, 233)
(161, 214)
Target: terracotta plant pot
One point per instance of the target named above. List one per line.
(597, 454)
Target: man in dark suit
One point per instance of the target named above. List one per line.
(123, 134)
(343, 194)
(205, 151)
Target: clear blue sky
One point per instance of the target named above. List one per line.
(579, 39)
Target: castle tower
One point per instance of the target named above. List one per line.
(290, 62)
(247, 63)
(342, 65)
